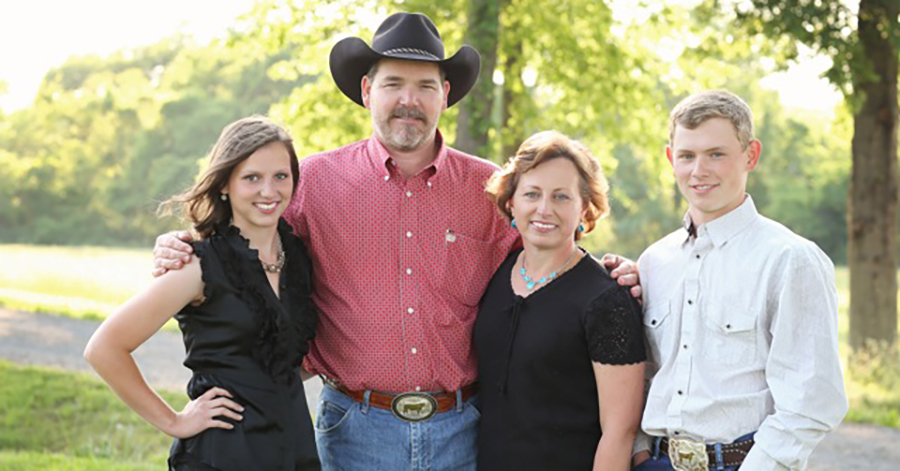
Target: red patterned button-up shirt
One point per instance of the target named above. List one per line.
(399, 265)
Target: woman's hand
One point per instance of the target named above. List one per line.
(202, 413)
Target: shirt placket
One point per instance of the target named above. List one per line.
(411, 267)
(690, 317)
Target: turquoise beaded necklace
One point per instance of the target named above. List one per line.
(530, 282)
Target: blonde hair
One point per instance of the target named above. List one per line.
(201, 205)
(703, 106)
(540, 148)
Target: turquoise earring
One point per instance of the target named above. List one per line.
(581, 228)
(513, 223)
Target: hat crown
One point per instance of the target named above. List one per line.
(402, 34)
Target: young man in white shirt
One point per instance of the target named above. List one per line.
(740, 314)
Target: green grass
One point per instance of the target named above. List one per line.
(80, 282)
(52, 419)
(30, 461)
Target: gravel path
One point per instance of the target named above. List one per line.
(38, 339)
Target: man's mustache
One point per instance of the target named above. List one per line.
(408, 113)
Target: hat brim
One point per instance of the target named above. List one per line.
(351, 58)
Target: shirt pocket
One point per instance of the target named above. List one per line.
(731, 333)
(466, 269)
(658, 329)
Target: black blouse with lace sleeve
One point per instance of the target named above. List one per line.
(536, 358)
(613, 327)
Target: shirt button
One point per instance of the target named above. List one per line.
(387, 177)
(680, 392)
(685, 346)
(677, 432)
(698, 256)
(418, 388)
(414, 350)
(408, 194)
(727, 326)
(409, 271)
(429, 184)
(653, 322)
(690, 302)
(410, 310)
(408, 234)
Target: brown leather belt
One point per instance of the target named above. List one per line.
(733, 454)
(444, 400)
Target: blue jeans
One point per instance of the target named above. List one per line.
(353, 436)
(660, 462)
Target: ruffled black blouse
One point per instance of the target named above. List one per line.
(247, 340)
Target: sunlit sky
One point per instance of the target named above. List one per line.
(36, 35)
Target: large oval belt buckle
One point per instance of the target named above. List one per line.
(413, 406)
(688, 455)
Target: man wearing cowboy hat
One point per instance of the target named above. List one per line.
(418, 242)
(403, 242)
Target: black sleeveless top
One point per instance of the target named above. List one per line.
(535, 354)
(245, 339)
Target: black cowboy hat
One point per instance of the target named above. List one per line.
(406, 36)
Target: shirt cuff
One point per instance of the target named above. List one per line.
(759, 460)
(641, 443)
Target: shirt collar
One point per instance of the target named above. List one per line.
(382, 157)
(723, 228)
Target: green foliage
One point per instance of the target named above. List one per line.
(826, 27)
(108, 138)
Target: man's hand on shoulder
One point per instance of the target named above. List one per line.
(624, 271)
(171, 252)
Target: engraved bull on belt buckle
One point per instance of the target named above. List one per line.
(414, 407)
(688, 455)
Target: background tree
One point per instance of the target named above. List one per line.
(475, 122)
(863, 46)
(107, 138)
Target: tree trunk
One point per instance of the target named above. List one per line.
(511, 128)
(873, 188)
(473, 123)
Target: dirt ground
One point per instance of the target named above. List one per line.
(38, 339)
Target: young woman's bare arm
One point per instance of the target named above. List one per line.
(109, 352)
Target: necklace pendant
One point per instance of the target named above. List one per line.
(530, 283)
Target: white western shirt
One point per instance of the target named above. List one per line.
(741, 321)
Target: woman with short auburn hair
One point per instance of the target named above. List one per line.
(559, 343)
(548, 145)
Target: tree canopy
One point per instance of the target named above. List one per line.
(109, 137)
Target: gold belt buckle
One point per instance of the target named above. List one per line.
(688, 455)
